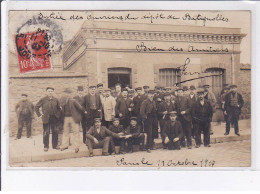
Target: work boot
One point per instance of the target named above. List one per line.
(64, 148)
(105, 154)
(46, 149)
(226, 133)
(76, 150)
(148, 150)
(90, 154)
(189, 147)
(238, 134)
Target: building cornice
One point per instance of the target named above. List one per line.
(119, 34)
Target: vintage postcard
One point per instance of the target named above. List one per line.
(129, 89)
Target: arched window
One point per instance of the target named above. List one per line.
(168, 77)
(217, 80)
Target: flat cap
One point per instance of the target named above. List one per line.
(167, 94)
(138, 88)
(67, 90)
(116, 119)
(185, 88)
(151, 92)
(107, 90)
(179, 88)
(131, 91)
(200, 91)
(80, 88)
(146, 87)
(97, 119)
(206, 85)
(49, 88)
(24, 95)
(100, 85)
(173, 113)
(233, 86)
(92, 86)
(124, 89)
(133, 118)
(192, 87)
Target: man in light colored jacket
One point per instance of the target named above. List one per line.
(109, 104)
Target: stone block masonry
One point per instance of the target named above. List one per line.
(35, 87)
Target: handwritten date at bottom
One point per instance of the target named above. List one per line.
(167, 163)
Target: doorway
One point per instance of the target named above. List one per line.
(119, 75)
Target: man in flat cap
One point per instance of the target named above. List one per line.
(80, 99)
(72, 112)
(92, 104)
(109, 107)
(223, 94)
(131, 108)
(184, 116)
(24, 110)
(99, 137)
(133, 135)
(202, 112)
(148, 114)
(233, 105)
(210, 96)
(164, 109)
(173, 132)
(51, 112)
(122, 108)
(146, 89)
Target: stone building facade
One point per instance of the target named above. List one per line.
(136, 55)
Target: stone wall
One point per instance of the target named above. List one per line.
(35, 87)
(244, 87)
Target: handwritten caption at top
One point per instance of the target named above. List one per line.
(130, 17)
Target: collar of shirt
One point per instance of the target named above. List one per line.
(192, 95)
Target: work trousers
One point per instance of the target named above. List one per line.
(149, 127)
(27, 120)
(186, 126)
(70, 126)
(232, 118)
(51, 125)
(173, 145)
(199, 127)
(104, 144)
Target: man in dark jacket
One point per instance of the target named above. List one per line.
(99, 137)
(122, 108)
(133, 135)
(184, 116)
(51, 111)
(202, 112)
(72, 112)
(148, 114)
(164, 109)
(24, 110)
(80, 99)
(138, 99)
(115, 141)
(233, 105)
(192, 99)
(173, 132)
(92, 104)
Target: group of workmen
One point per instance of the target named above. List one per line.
(124, 117)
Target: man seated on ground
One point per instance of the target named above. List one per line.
(115, 141)
(173, 132)
(133, 135)
(99, 137)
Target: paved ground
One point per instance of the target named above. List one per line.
(229, 154)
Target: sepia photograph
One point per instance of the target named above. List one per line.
(161, 89)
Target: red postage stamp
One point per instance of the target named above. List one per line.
(33, 51)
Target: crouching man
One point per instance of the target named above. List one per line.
(115, 141)
(173, 132)
(99, 137)
(133, 135)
